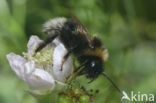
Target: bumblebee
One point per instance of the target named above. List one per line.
(88, 50)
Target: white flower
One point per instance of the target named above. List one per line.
(57, 60)
(42, 71)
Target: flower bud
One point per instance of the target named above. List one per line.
(64, 99)
(84, 99)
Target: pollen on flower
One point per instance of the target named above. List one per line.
(43, 57)
(42, 70)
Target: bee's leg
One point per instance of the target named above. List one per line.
(67, 55)
(42, 45)
(74, 62)
(91, 80)
(78, 68)
(65, 58)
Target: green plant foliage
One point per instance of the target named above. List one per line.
(126, 27)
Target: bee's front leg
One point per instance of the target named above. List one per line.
(67, 55)
(65, 58)
(78, 68)
(45, 43)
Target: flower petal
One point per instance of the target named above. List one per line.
(16, 62)
(29, 67)
(40, 79)
(67, 69)
(57, 41)
(32, 43)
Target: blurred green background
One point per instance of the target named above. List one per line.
(126, 27)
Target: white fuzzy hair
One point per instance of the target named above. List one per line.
(54, 25)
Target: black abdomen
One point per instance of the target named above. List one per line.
(73, 40)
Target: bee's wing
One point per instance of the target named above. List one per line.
(80, 24)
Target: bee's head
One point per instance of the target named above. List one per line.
(93, 67)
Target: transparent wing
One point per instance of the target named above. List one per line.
(82, 28)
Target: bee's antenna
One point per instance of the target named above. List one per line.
(108, 78)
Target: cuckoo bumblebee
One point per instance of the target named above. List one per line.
(87, 49)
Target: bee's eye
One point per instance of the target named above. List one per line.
(92, 64)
